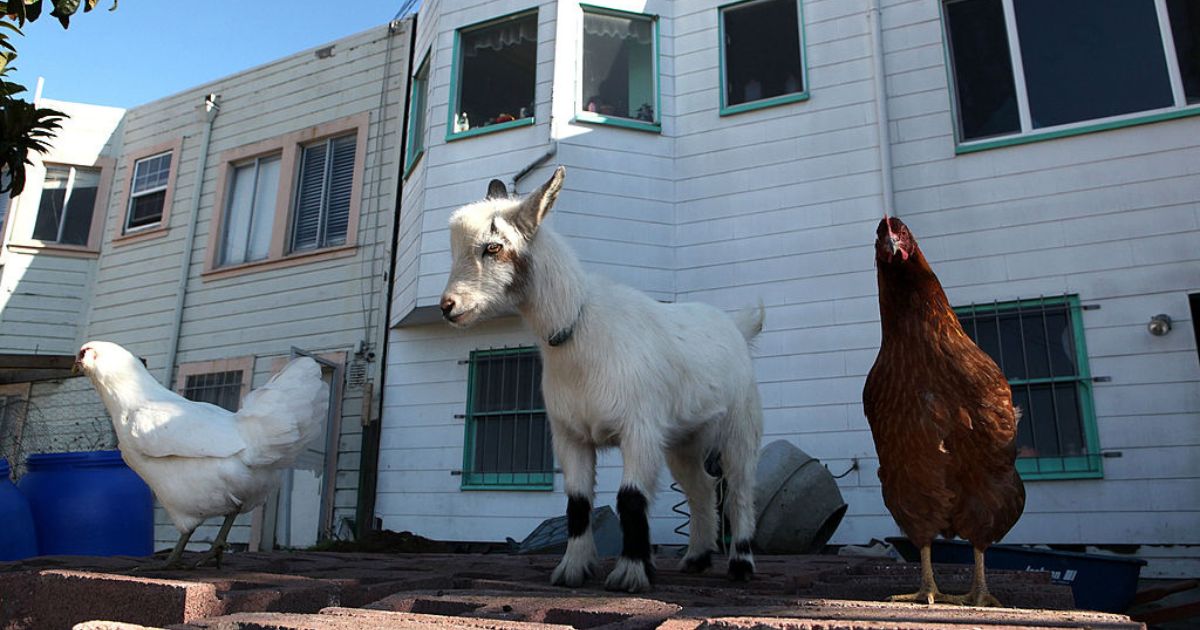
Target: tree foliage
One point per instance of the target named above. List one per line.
(25, 128)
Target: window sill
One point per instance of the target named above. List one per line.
(52, 249)
(412, 164)
(330, 253)
(615, 121)
(1059, 468)
(535, 482)
(478, 131)
(764, 103)
(144, 234)
(1038, 136)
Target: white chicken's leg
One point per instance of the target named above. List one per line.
(218, 546)
(173, 560)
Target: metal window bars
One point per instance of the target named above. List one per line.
(507, 433)
(223, 389)
(1038, 345)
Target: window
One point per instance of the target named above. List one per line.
(221, 382)
(619, 69)
(322, 211)
(288, 199)
(495, 70)
(223, 389)
(67, 204)
(250, 211)
(416, 116)
(147, 197)
(507, 434)
(1033, 69)
(762, 55)
(1039, 346)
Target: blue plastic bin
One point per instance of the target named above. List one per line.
(17, 537)
(1098, 582)
(89, 503)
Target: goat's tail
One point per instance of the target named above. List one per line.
(750, 321)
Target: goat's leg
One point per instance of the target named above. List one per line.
(642, 456)
(578, 461)
(686, 462)
(739, 461)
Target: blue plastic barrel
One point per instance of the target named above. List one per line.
(17, 538)
(90, 504)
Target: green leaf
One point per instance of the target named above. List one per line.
(33, 10)
(10, 26)
(63, 10)
(16, 10)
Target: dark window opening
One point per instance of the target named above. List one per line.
(497, 70)
(986, 92)
(762, 51)
(67, 204)
(1088, 59)
(1185, 31)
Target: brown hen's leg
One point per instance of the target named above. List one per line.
(929, 592)
(979, 595)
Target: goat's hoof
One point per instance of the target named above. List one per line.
(698, 563)
(741, 569)
(630, 576)
(572, 574)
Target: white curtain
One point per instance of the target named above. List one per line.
(620, 27)
(501, 36)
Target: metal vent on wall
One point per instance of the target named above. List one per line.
(356, 374)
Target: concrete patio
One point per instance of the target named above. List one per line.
(310, 590)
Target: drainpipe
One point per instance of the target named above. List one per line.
(368, 466)
(534, 164)
(209, 112)
(874, 17)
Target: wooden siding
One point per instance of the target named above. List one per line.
(780, 204)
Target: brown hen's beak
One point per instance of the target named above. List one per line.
(893, 245)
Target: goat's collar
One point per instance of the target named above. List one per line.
(563, 335)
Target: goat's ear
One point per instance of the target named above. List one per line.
(496, 190)
(533, 209)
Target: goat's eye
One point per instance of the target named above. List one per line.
(493, 248)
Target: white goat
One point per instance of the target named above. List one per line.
(664, 382)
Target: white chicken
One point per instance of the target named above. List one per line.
(199, 459)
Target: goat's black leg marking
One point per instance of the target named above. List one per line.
(635, 527)
(579, 512)
(740, 569)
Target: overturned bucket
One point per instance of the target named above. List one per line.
(797, 500)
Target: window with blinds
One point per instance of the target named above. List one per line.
(321, 215)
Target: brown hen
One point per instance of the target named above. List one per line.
(942, 417)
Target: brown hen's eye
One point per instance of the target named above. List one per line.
(493, 248)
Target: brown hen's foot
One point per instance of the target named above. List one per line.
(979, 599)
(927, 597)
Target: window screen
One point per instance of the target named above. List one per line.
(223, 389)
(508, 435)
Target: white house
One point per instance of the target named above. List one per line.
(731, 152)
(235, 224)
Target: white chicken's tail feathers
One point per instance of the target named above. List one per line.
(281, 418)
(750, 321)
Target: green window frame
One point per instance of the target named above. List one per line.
(456, 80)
(582, 114)
(727, 109)
(1184, 96)
(1043, 379)
(507, 432)
(418, 101)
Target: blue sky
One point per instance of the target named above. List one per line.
(148, 49)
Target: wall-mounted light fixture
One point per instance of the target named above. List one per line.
(1159, 325)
